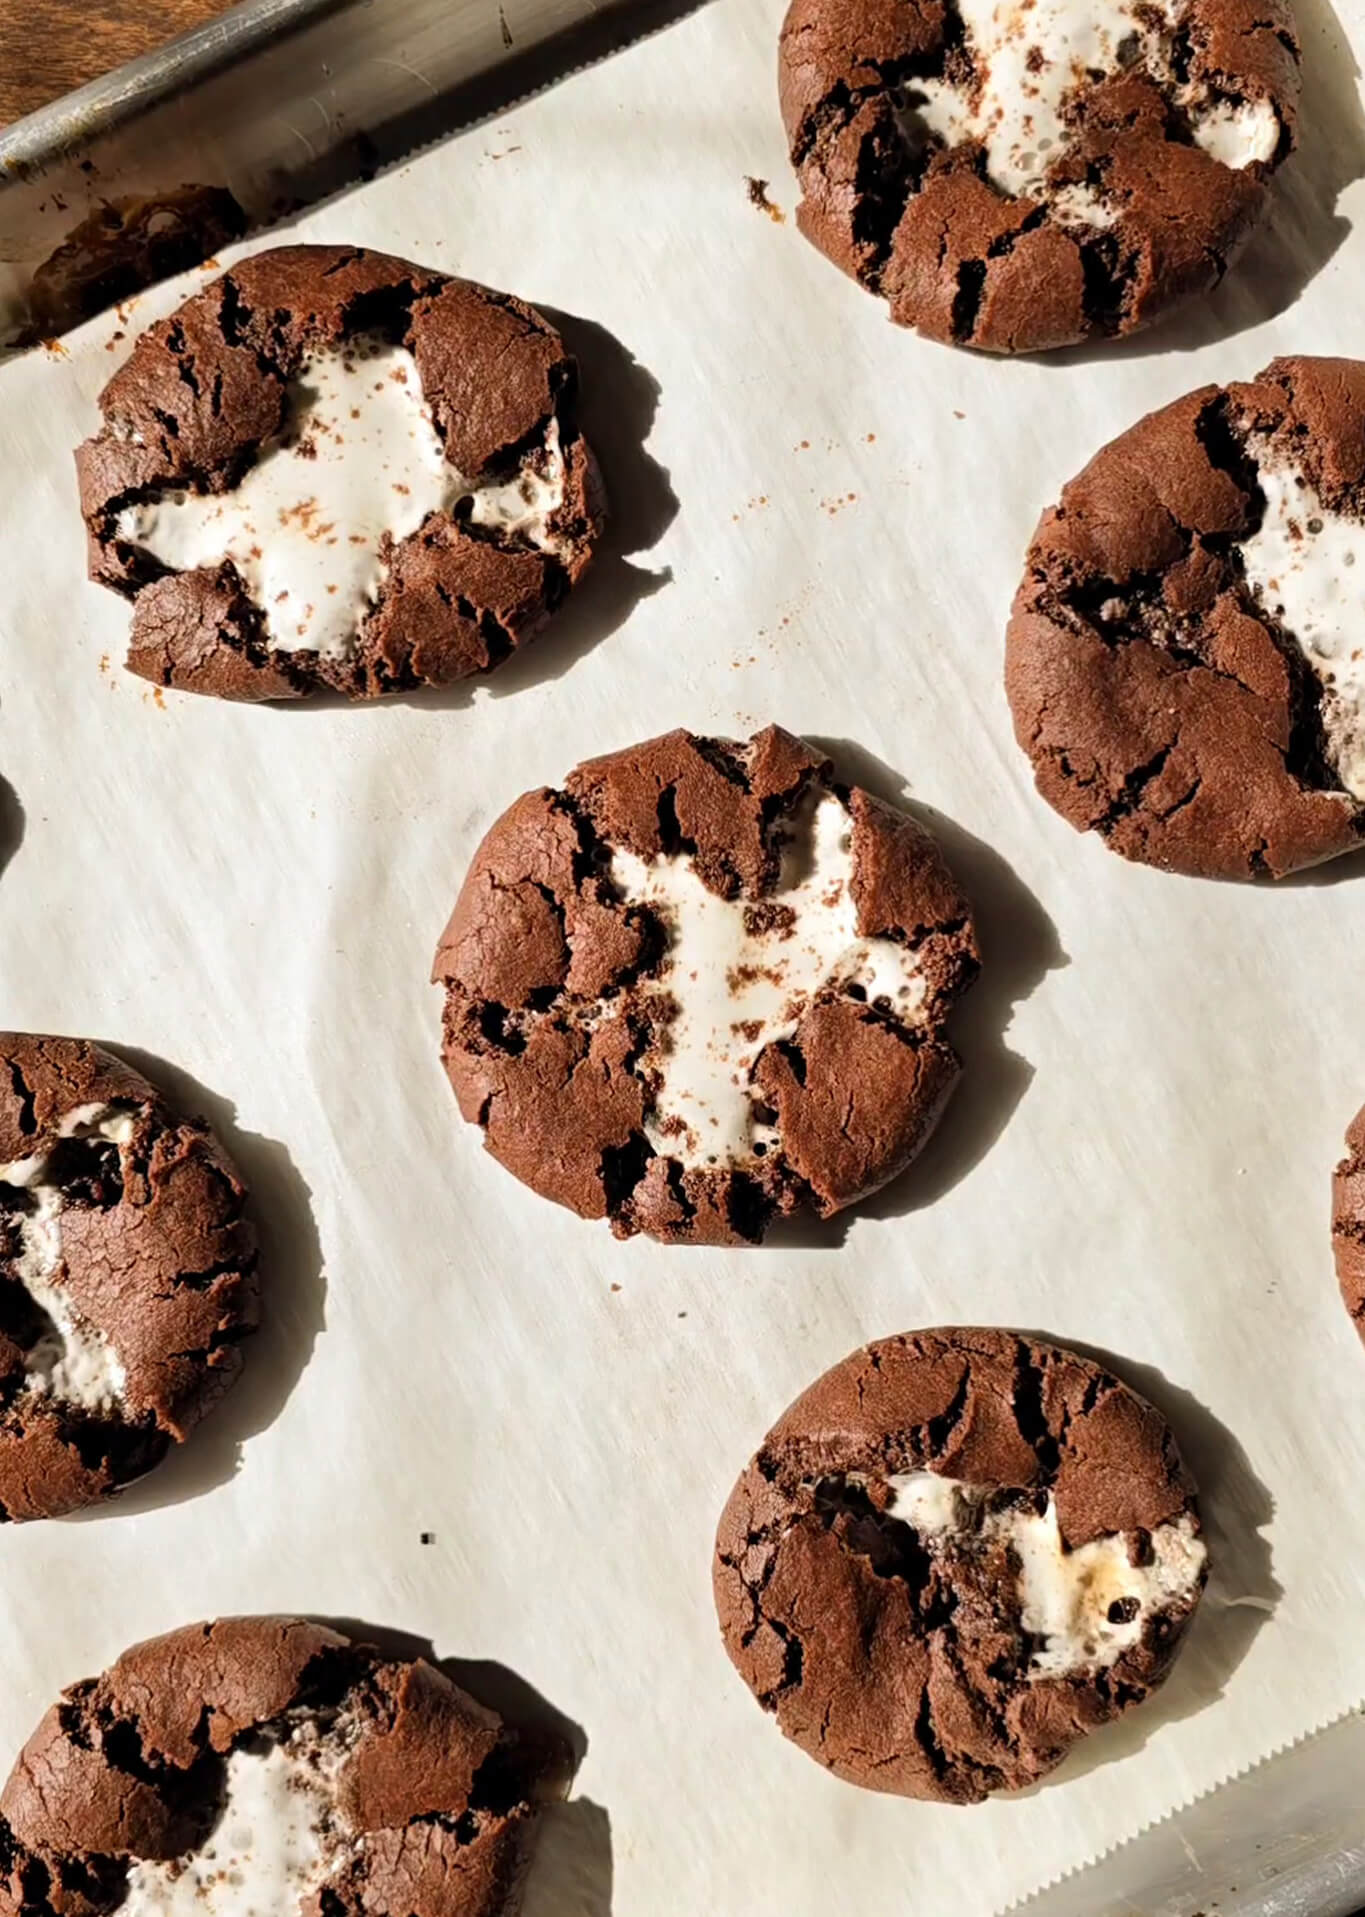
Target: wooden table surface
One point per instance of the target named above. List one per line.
(47, 49)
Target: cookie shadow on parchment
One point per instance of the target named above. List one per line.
(1241, 1593)
(618, 401)
(293, 1298)
(1019, 947)
(11, 823)
(571, 1868)
(1301, 229)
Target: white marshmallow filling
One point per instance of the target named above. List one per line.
(1305, 565)
(357, 466)
(279, 1835)
(738, 974)
(70, 1360)
(1080, 1608)
(1030, 56)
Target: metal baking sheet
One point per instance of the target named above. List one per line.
(820, 521)
(258, 112)
(1283, 1840)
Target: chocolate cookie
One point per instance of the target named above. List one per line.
(703, 984)
(331, 468)
(1021, 177)
(1183, 661)
(1348, 1222)
(127, 1275)
(953, 1556)
(261, 1766)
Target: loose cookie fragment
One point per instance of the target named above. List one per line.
(1348, 1222)
(127, 1275)
(1186, 654)
(334, 469)
(1017, 175)
(957, 1553)
(261, 1767)
(703, 984)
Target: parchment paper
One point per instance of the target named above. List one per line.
(1158, 1071)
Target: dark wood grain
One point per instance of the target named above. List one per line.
(48, 48)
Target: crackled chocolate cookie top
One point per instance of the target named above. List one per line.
(261, 1767)
(702, 984)
(1019, 174)
(331, 468)
(127, 1275)
(955, 1554)
(1186, 654)
(1348, 1222)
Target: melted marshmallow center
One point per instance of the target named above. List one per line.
(1030, 55)
(71, 1359)
(1087, 1606)
(1306, 565)
(357, 466)
(277, 1840)
(739, 973)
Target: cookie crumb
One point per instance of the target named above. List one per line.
(758, 196)
(426, 1537)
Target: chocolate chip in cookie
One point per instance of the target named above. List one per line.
(268, 1765)
(127, 1275)
(956, 1554)
(1184, 659)
(703, 984)
(334, 469)
(1017, 177)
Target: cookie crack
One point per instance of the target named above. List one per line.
(1186, 799)
(205, 1278)
(222, 1338)
(1226, 450)
(971, 287)
(28, 1122)
(1129, 799)
(351, 256)
(793, 1663)
(1108, 283)
(926, 1736)
(938, 1432)
(891, 1548)
(622, 1169)
(1004, 243)
(1029, 1413)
